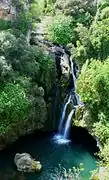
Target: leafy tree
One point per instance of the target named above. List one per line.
(105, 13)
(93, 86)
(5, 69)
(82, 11)
(101, 130)
(21, 59)
(103, 4)
(27, 14)
(93, 42)
(84, 49)
(61, 31)
(4, 24)
(104, 154)
(13, 105)
(100, 39)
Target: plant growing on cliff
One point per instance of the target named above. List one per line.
(61, 31)
(21, 59)
(99, 38)
(93, 86)
(13, 105)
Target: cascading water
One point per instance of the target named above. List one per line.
(67, 125)
(78, 101)
(63, 115)
(73, 75)
(59, 137)
(64, 128)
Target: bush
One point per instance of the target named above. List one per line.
(80, 11)
(25, 60)
(61, 31)
(100, 39)
(93, 42)
(4, 24)
(5, 69)
(101, 130)
(93, 87)
(105, 13)
(104, 154)
(84, 48)
(13, 105)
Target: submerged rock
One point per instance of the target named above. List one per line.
(26, 163)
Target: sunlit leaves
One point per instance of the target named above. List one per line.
(61, 30)
(13, 104)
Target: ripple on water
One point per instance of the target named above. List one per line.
(59, 139)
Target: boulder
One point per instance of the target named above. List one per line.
(26, 163)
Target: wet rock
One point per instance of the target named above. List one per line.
(26, 163)
(62, 61)
(65, 67)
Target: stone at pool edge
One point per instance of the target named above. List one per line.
(26, 163)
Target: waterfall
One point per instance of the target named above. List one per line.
(73, 75)
(78, 101)
(62, 136)
(67, 125)
(63, 115)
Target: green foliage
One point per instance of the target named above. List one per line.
(6, 40)
(27, 15)
(104, 154)
(13, 105)
(61, 31)
(100, 39)
(80, 11)
(103, 4)
(24, 22)
(93, 42)
(25, 60)
(36, 9)
(105, 13)
(26, 75)
(101, 130)
(4, 24)
(93, 86)
(5, 69)
(84, 48)
(76, 4)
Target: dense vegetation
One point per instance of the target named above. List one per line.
(26, 72)
(26, 78)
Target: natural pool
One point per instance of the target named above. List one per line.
(43, 148)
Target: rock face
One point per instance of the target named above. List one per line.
(62, 61)
(26, 163)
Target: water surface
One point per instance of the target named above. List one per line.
(50, 154)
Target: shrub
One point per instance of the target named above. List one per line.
(13, 105)
(93, 86)
(4, 24)
(81, 11)
(61, 31)
(100, 38)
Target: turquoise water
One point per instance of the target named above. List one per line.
(50, 154)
